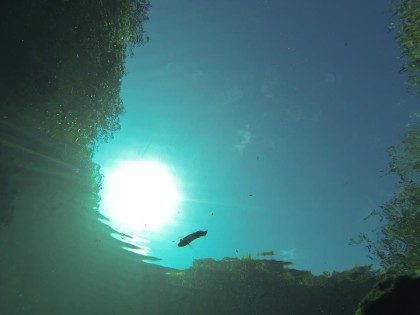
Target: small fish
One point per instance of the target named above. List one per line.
(271, 253)
(189, 238)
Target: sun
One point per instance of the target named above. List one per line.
(139, 195)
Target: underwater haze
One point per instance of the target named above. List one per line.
(208, 157)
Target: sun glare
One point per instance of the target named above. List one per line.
(139, 195)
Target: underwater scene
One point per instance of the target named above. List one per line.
(210, 157)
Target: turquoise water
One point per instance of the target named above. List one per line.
(260, 126)
(271, 100)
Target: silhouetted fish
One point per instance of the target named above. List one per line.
(189, 238)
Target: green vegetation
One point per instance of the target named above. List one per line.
(397, 244)
(252, 286)
(62, 63)
(407, 27)
(397, 241)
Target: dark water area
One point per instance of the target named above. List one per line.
(62, 65)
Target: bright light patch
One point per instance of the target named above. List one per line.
(139, 195)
